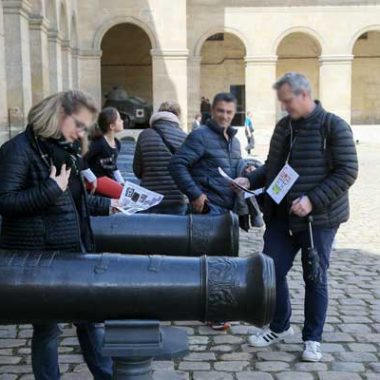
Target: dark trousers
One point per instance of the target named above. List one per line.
(45, 351)
(283, 247)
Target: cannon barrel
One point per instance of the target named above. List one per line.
(67, 287)
(178, 235)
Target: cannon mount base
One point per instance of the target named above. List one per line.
(133, 344)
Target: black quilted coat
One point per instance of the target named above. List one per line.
(326, 162)
(36, 213)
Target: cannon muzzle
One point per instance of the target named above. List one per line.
(69, 287)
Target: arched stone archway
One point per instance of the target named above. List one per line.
(222, 69)
(126, 61)
(365, 98)
(217, 30)
(114, 21)
(300, 52)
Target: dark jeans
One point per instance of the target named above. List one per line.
(45, 350)
(283, 247)
(216, 210)
(212, 210)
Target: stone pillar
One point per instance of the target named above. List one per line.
(75, 67)
(55, 61)
(89, 73)
(194, 94)
(335, 84)
(67, 74)
(3, 85)
(260, 74)
(17, 61)
(39, 55)
(170, 78)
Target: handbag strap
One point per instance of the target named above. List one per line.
(171, 148)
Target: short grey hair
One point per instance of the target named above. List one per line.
(296, 81)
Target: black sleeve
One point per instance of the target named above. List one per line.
(138, 160)
(95, 150)
(345, 166)
(257, 178)
(15, 198)
(98, 206)
(191, 151)
(118, 145)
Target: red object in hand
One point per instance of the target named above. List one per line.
(107, 187)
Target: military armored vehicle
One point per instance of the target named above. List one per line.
(135, 111)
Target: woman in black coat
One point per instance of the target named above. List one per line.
(44, 207)
(154, 149)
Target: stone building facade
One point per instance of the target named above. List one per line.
(185, 49)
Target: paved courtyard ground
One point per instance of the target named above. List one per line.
(352, 334)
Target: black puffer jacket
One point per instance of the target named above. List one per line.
(152, 158)
(326, 163)
(36, 214)
(195, 166)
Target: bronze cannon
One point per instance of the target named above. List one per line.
(69, 287)
(190, 235)
(132, 293)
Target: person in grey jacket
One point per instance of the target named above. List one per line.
(194, 167)
(154, 149)
(319, 146)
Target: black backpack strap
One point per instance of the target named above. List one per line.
(326, 135)
(170, 148)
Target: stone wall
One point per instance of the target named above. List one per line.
(161, 52)
(126, 61)
(222, 65)
(366, 80)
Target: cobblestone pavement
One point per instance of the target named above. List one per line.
(352, 333)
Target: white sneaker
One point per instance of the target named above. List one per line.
(312, 351)
(266, 337)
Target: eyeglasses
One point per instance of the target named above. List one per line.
(79, 124)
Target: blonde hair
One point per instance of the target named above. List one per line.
(171, 106)
(45, 116)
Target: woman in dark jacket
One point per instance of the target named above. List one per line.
(154, 149)
(44, 207)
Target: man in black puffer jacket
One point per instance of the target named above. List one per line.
(319, 146)
(195, 165)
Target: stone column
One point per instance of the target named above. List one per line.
(17, 61)
(67, 74)
(55, 61)
(75, 67)
(194, 94)
(260, 74)
(39, 55)
(335, 84)
(89, 73)
(3, 85)
(170, 78)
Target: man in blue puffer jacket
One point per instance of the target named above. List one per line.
(194, 167)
